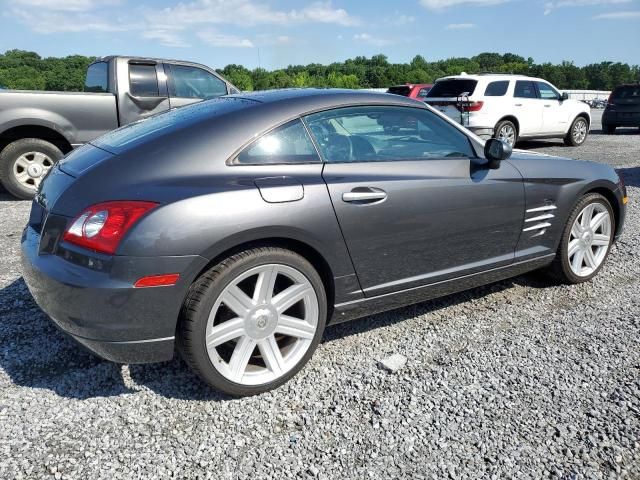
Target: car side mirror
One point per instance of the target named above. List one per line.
(495, 151)
(564, 96)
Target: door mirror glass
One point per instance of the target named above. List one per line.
(495, 151)
(565, 96)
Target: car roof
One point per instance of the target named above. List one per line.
(318, 98)
(489, 76)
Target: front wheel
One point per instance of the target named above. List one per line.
(24, 163)
(578, 132)
(586, 240)
(251, 322)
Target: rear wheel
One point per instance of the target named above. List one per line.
(24, 163)
(578, 132)
(608, 129)
(507, 132)
(586, 240)
(251, 322)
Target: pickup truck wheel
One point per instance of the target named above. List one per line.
(578, 132)
(24, 163)
(507, 132)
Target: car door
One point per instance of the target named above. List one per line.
(527, 108)
(555, 112)
(189, 84)
(414, 203)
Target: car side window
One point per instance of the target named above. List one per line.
(143, 80)
(525, 89)
(97, 80)
(289, 143)
(497, 89)
(194, 82)
(547, 92)
(385, 133)
(423, 92)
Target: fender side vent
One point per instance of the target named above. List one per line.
(538, 219)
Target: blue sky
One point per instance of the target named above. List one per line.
(275, 33)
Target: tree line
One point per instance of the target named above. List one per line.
(21, 69)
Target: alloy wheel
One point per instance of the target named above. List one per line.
(508, 134)
(589, 239)
(30, 168)
(579, 131)
(262, 324)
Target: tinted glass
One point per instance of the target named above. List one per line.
(547, 92)
(452, 88)
(423, 92)
(627, 91)
(525, 89)
(97, 78)
(143, 80)
(192, 82)
(377, 134)
(401, 90)
(497, 89)
(289, 143)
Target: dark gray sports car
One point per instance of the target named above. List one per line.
(238, 228)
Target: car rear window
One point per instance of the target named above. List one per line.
(139, 132)
(497, 89)
(627, 91)
(401, 90)
(452, 88)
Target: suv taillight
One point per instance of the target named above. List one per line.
(470, 106)
(610, 99)
(101, 227)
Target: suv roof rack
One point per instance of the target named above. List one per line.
(501, 73)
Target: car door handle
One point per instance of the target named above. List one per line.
(364, 195)
(518, 105)
(548, 106)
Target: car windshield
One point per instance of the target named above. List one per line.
(452, 88)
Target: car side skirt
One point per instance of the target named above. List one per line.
(368, 306)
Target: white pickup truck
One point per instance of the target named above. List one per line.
(511, 107)
(37, 128)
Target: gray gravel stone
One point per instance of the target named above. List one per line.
(393, 363)
(519, 379)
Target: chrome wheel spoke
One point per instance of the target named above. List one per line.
(290, 296)
(21, 162)
(576, 230)
(587, 213)
(598, 220)
(39, 158)
(264, 285)
(271, 355)
(574, 246)
(240, 358)
(226, 331)
(600, 240)
(237, 301)
(590, 260)
(295, 327)
(576, 262)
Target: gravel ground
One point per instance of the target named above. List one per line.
(515, 380)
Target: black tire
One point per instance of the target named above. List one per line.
(501, 125)
(202, 297)
(560, 269)
(570, 140)
(608, 129)
(12, 152)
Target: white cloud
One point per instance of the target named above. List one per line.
(442, 4)
(216, 39)
(459, 26)
(550, 6)
(66, 5)
(371, 40)
(246, 13)
(402, 19)
(167, 38)
(618, 15)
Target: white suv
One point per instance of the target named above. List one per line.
(511, 107)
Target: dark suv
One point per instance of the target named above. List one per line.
(623, 108)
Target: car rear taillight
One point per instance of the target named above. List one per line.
(610, 99)
(101, 227)
(470, 106)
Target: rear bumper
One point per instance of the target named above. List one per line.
(618, 119)
(101, 309)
